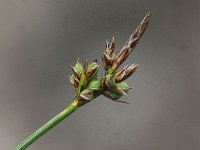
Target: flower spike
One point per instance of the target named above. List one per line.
(132, 42)
(112, 84)
(87, 86)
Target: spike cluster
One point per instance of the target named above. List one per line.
(112, 84)
(84, 80)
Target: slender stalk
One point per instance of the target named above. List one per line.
(49, 125)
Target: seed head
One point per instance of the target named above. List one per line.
(112, 85)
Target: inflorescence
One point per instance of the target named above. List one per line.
(112, 85)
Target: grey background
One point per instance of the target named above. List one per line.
(40, 38)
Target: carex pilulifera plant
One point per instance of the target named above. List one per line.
(88, 87)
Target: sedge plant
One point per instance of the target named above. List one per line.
(87, 86)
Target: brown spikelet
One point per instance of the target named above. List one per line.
(132, 41)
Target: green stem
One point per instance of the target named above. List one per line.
(49, 125)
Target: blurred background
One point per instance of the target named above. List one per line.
(40, 38)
